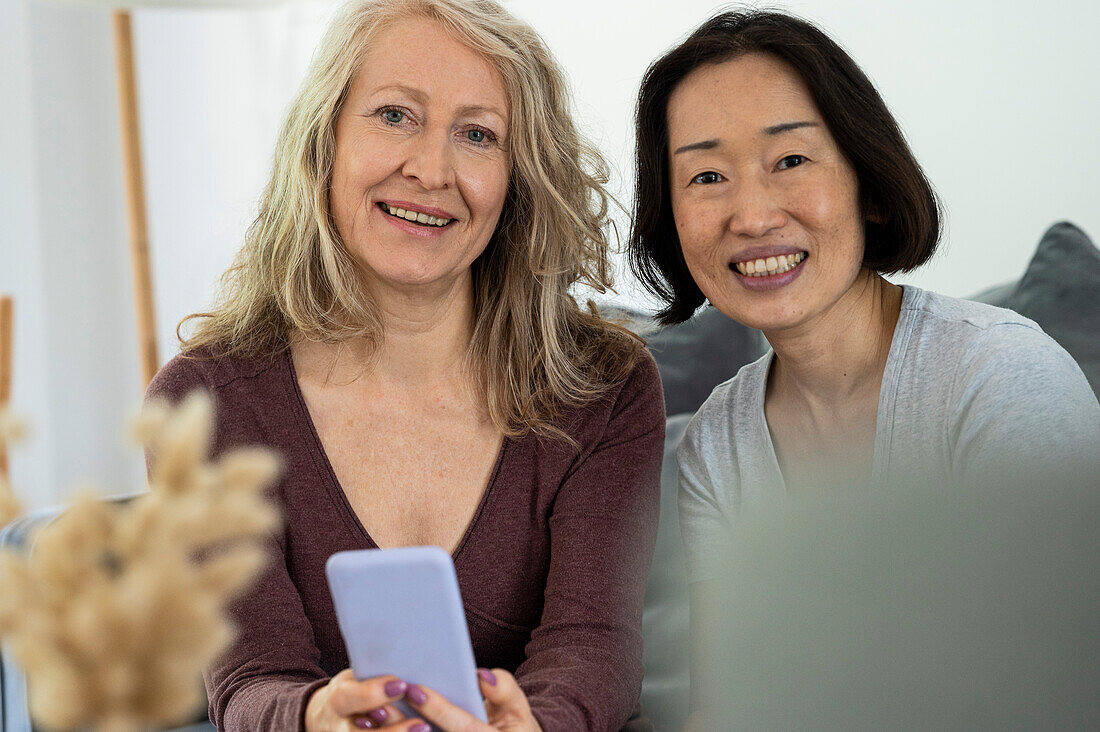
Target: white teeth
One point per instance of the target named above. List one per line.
(769, 266)
(417, 216)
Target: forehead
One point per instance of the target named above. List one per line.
(419, 53)
(738, 97)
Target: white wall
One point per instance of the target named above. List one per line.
(64, 228)
(999, 100)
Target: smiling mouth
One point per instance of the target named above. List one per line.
(768, 266)
(416, 217)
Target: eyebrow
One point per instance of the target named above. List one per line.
(769, 131)
(416, 95)
(473, 109)
(701, 145)
(787, 127)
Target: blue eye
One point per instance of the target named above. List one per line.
(480, 136)
(393, 116)
(707, 178)
(791, 161)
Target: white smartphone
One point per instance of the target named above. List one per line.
(400, 613)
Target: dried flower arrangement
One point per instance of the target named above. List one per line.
(117, 609)
(11, 429)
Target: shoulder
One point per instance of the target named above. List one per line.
(207, 368)
(734, 398)
(999, 371)
(730, 403)
(973, 335)
(639, 398)
(955, 313)
(969, 337)
(631, 408)
(643, 381)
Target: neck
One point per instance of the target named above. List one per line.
(425, 339)
(841, 354)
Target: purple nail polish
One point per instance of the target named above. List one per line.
(378, 715)
(415, 695)
(364, 723)
(421, 728)
(487, 676)
(396, 687)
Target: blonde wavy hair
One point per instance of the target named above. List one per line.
(535, 349)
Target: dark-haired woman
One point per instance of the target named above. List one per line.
(773, 182)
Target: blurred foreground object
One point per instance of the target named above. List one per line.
(115, 610)
(916, 607)
(11, 429)
(6, 359)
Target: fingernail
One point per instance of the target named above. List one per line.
(396, 687)
(364, 723)
(487, 676)
(421, 727)
(417, 696)
(378, 715)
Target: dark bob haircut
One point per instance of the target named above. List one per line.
(902, 215)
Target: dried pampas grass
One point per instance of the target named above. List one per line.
(117, 609)
(12, 429)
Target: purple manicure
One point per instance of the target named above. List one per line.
(396, 687)
(378, 715)
(421, 728)
(364, 723)
(487, 676)
(417, 696)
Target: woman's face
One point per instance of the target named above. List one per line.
(422, 168)
(766, 206)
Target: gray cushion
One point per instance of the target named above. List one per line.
(696, 356)
(1061, 292)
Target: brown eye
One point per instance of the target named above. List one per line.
(791, 161)
(707, 178)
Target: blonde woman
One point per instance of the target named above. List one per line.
(398, 324)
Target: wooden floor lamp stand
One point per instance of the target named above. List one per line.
(135, 195)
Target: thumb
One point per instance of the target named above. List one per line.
(501, 691)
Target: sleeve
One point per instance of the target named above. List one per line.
(704, 526)
(265, 677)
(584, 660)
(1022, 408)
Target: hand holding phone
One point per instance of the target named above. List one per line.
(401, 614)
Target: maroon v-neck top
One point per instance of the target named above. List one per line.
(552, 567)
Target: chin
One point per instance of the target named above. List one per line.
(764, 316)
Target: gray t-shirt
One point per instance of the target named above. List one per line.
(970, 392)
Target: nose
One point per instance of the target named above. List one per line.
(757, 209)
(430, 160)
